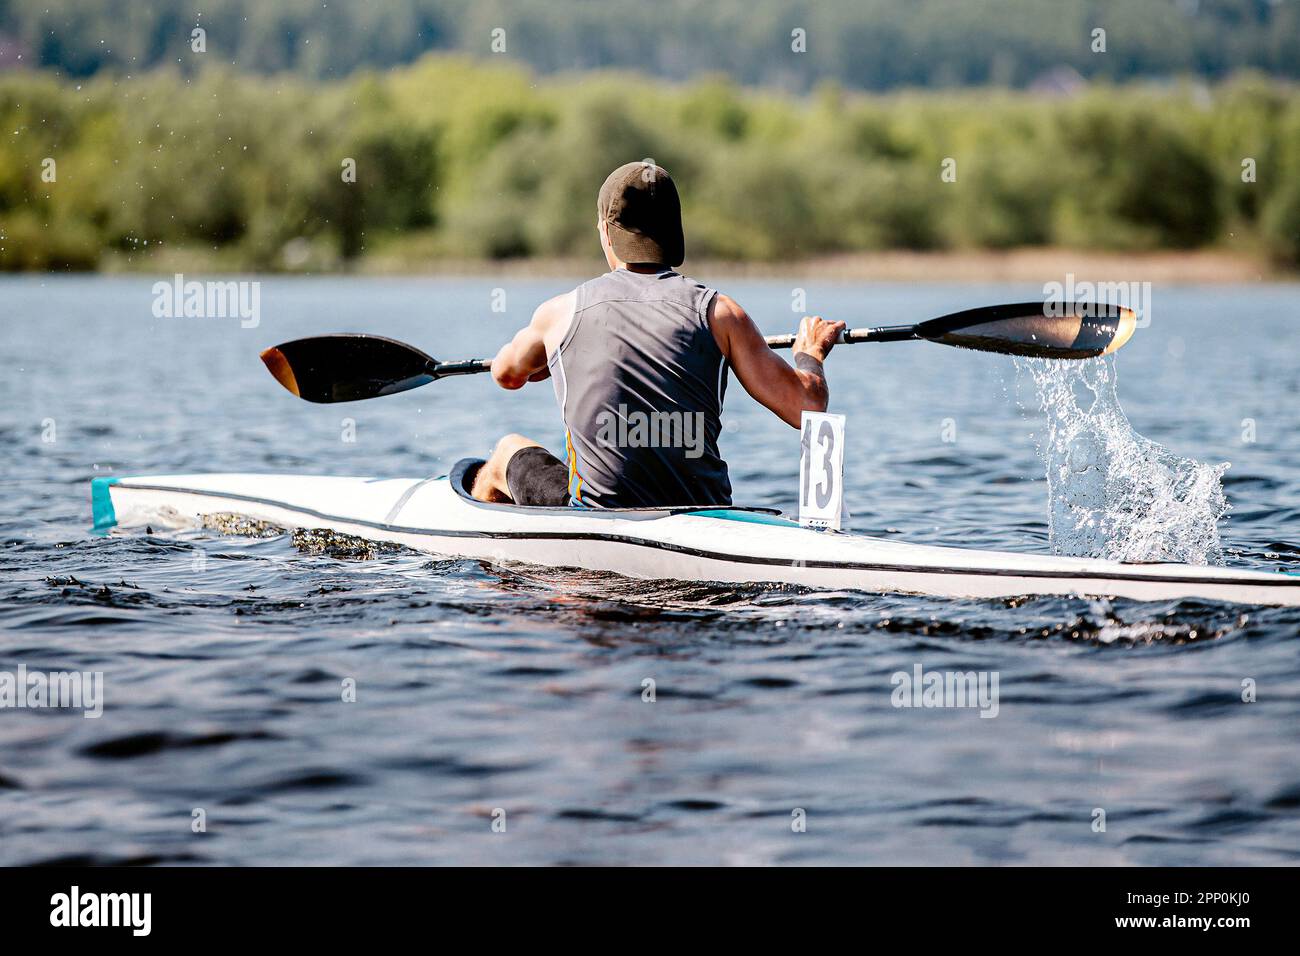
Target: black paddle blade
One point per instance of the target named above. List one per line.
(348, 368)
(1061, 330)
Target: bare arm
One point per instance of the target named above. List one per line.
(786, 391)
(523, 358)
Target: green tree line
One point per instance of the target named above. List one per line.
(867, 44)
(457, 158)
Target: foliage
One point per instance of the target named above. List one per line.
(463, 159)
(864, 44)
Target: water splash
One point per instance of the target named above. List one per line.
(1112, 493)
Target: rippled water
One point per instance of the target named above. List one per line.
(224, 659)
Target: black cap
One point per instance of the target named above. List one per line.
(639, 205)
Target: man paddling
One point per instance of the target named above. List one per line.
(639, 360)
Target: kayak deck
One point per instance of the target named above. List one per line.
(723, 544)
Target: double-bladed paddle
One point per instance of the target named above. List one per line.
(351, 366)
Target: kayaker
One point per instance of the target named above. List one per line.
(639, 359)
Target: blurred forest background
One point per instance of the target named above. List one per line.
(233, 156)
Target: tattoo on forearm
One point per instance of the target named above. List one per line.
(806, 363)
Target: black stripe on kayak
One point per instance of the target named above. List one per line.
(1283, 580)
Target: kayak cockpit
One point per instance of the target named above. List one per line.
(461, 478)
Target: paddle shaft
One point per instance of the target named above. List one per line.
(347, 367)
(889, 333)
(467, 367)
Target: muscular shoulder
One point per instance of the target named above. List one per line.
(726, 310)
(551, 319)
(554, 309)
(726, 318)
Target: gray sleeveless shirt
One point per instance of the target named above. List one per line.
(640, 382)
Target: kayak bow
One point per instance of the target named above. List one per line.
(723, 544)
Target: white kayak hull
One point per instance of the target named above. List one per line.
(731, 545)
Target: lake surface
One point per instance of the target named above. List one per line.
(479, 688)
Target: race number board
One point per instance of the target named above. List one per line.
(821, 470)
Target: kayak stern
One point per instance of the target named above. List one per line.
(102, 512)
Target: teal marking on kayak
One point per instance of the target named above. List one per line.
(750, 517)
(101, 503)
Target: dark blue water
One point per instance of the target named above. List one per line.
(479, 689)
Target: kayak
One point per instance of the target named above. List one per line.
(704, 544)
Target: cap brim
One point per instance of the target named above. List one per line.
(636, 247)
